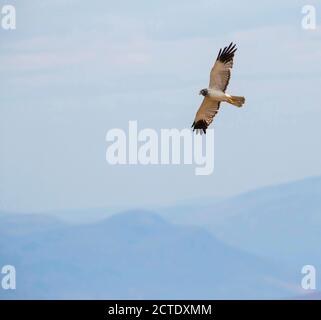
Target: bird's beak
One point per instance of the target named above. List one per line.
(199, 93)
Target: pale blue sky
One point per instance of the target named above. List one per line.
(72, 71)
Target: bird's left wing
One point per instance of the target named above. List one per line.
(221, 71)
(205, 114)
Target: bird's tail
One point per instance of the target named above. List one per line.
(236, 101)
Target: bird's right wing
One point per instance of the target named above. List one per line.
(221, 71)
(205, 114)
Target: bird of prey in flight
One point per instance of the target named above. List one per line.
(215, 93)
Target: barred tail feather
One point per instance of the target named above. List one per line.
(236, 101)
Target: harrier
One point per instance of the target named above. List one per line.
(215, 93)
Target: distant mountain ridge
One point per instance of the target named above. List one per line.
(249, 246)
(133, 255)
(281, 222)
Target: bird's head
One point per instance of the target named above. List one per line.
(204, 92)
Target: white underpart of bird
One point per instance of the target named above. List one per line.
(215, 93)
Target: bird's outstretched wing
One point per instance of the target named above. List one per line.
(221, 71)
(205, 114)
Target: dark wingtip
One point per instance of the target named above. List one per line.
(200, 124)
(227, 54)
